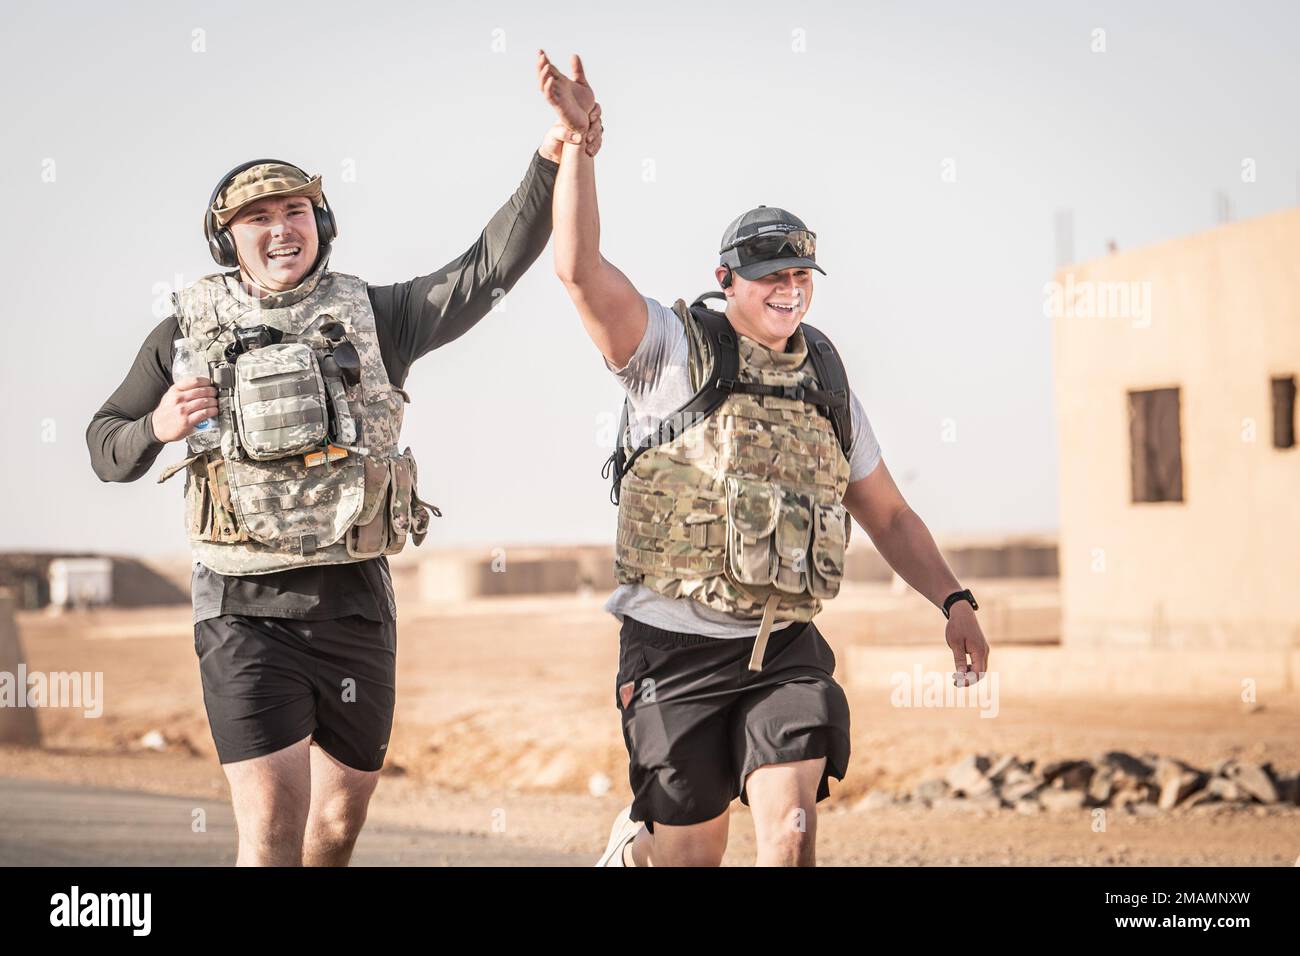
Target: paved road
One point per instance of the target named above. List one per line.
(58, 824)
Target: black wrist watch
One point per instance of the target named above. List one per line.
(956, 596)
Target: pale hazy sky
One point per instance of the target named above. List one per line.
(934, 289)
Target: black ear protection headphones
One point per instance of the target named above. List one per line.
(726, 280)
(222, 244)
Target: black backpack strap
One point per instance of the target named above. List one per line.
(721, 341)
(833, 396)
(715, 294)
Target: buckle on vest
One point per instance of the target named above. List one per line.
(795, 392)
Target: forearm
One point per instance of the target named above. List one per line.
(509, 244)
(910, 550)
(577, 218)
(120, 436)
(425, 313)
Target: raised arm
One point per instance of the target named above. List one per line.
(612, 310)
(427, 312)
(418, 316)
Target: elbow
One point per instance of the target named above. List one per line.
(98, 464)
(885, 527)
(108, 472)
(101, 460)
(569, 274)
(899, 517)
(575, 272)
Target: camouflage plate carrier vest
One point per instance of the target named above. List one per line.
(255, 505)
(735, 500)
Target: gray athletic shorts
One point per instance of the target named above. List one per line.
(697, 721)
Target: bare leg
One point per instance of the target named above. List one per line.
(271, 796)
(783, 799)
(700, 844)
(340, 796)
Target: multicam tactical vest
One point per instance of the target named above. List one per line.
(735, 501)
(308, 470)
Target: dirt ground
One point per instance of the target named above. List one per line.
(506, 726)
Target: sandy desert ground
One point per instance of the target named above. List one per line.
(506, 727)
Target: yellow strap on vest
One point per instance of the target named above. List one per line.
(764, 630)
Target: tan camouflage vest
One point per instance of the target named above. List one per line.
(742, 510)
(246, 514)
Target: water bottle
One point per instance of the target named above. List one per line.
(190, 362)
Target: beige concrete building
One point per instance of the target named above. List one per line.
(1175, 372)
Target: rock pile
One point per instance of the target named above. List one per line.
(1142, 785)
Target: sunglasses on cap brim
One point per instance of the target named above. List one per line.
(800, 243)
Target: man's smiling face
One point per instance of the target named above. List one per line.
(770, 308)
(276, 241)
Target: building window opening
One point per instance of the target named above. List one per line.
(1284, 412)
(1156, 445)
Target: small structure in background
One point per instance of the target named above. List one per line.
(80, 583)
(63, 579)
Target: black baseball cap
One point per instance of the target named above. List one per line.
(760, 221)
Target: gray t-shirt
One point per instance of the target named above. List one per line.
(657, 380)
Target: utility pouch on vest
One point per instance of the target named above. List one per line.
(751, 524)
(198, 503)
(369, 536)
(781, 538)
(209, 510)
(830, 537)
(793, 536)
(280, 401)
(344, 426)
(392, 509)
(421, 511)
(289, 507)
(225, 526)
(399, 503)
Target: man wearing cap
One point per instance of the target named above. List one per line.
(296, 490)
(741, 454)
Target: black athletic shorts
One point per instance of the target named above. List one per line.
(697, 721)
(269, 682)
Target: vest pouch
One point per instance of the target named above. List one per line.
(793, 536)
(381, 417)
(209, 513)
(369, 536)
(421, 511)
(751, 523)
(345, 427)
(280, 401)
(830, 537)
(403, 504)
(198, 506)
(288, 506)
(225, 526)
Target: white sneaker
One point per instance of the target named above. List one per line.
(622, 833)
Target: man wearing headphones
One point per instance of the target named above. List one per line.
(295, 488)
(741, 456)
